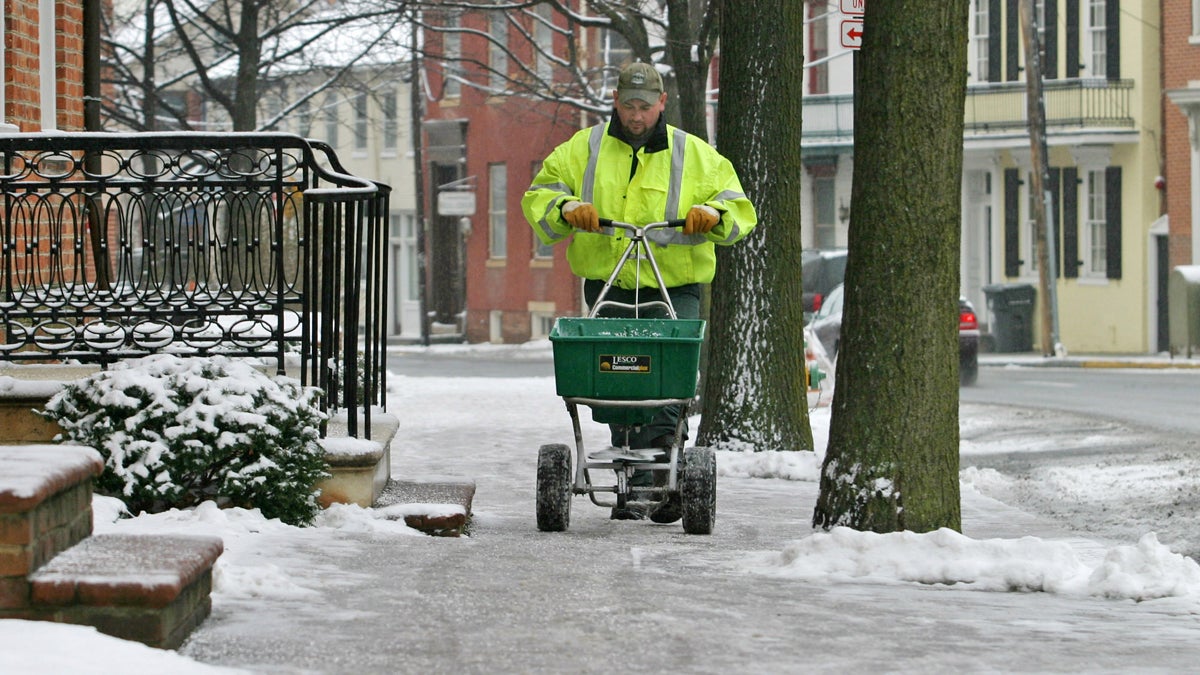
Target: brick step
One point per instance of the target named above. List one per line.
(45, 508)
(150, 588)
(436, 506)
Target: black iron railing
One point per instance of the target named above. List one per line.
(255, 245)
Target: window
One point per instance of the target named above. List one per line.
(1095, 226)
(361, 121)
(391, 121)
(818, 46)
(979, 41)
(540, 250)
(331, 120)
(543, 38)
(452, 52)
(1195, 18)
(825, 212)
(498, 52)
(304, 118)
(497, 210)
(617, 53)
(1097, 38)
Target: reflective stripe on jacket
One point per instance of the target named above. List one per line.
(669, 178)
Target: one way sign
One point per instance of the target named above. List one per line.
(852, 33)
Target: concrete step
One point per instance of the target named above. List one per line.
(150, 588)
(437, 506)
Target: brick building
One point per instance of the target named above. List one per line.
(1181, 126)
(43, 74)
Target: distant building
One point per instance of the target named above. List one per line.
(1102, 91)
(1181, 132)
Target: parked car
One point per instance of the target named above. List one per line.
(826, 326)
(820, 272)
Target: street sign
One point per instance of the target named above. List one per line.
(854, 7)
(456, 203)
(852, 33)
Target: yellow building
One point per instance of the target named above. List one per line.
(1102, 94)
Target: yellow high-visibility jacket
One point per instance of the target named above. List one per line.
(661, 181)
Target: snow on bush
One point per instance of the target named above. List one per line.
(175, 432)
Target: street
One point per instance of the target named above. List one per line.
(1163, 399)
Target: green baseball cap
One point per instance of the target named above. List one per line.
(641, 81)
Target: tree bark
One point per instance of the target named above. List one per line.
(892, 458)
(755, 389)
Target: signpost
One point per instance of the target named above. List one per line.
(852, 24)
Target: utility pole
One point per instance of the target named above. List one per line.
(1043, 210)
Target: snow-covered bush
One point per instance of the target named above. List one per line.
(178, 431)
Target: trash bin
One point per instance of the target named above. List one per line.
(1011, 306)
(1183, 310)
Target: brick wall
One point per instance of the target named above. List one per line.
(22, 93)
(1181, 64)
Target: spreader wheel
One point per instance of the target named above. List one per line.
(698, 490)
(554, 488)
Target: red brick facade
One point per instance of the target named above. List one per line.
(1180, 65)
(21, 77)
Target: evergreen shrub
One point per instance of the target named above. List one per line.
(175, 432)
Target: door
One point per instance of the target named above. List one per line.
(403, 289)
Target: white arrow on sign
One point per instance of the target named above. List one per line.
(854, 7)
(852, 33)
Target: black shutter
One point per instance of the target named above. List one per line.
(1050, 52)
(1072, 39)
(1112, 34)
(1013, 48)
(1012, 223)
(994, 24)
(1070, 221)
(1112, 209)
(1056, 218)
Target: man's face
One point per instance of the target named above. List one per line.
(638, 116)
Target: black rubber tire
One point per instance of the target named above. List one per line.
(554, 488)
(698, 490)
(968, 374)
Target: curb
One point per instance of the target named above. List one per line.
(1089, 362)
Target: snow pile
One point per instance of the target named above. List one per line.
(1143, 572)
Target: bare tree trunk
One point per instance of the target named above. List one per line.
(892, 460)
(755, 390)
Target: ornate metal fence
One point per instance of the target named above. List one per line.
(248, 245)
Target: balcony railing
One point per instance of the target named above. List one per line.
(260, 246)
(1070, 104)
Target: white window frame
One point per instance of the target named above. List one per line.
(543, 38)
(391, 121)
(331, 120)
(498, 52)
(362, 122)
(1096, 45)
(979, 41)
(452, 51)
(1195, 39)
(1093, 244)
(498, 211)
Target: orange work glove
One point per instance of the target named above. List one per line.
(701, 219)
(581, 215)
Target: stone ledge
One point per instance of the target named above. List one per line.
(360, 468)
(125, 570)
(34, 473)
(439, 507)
